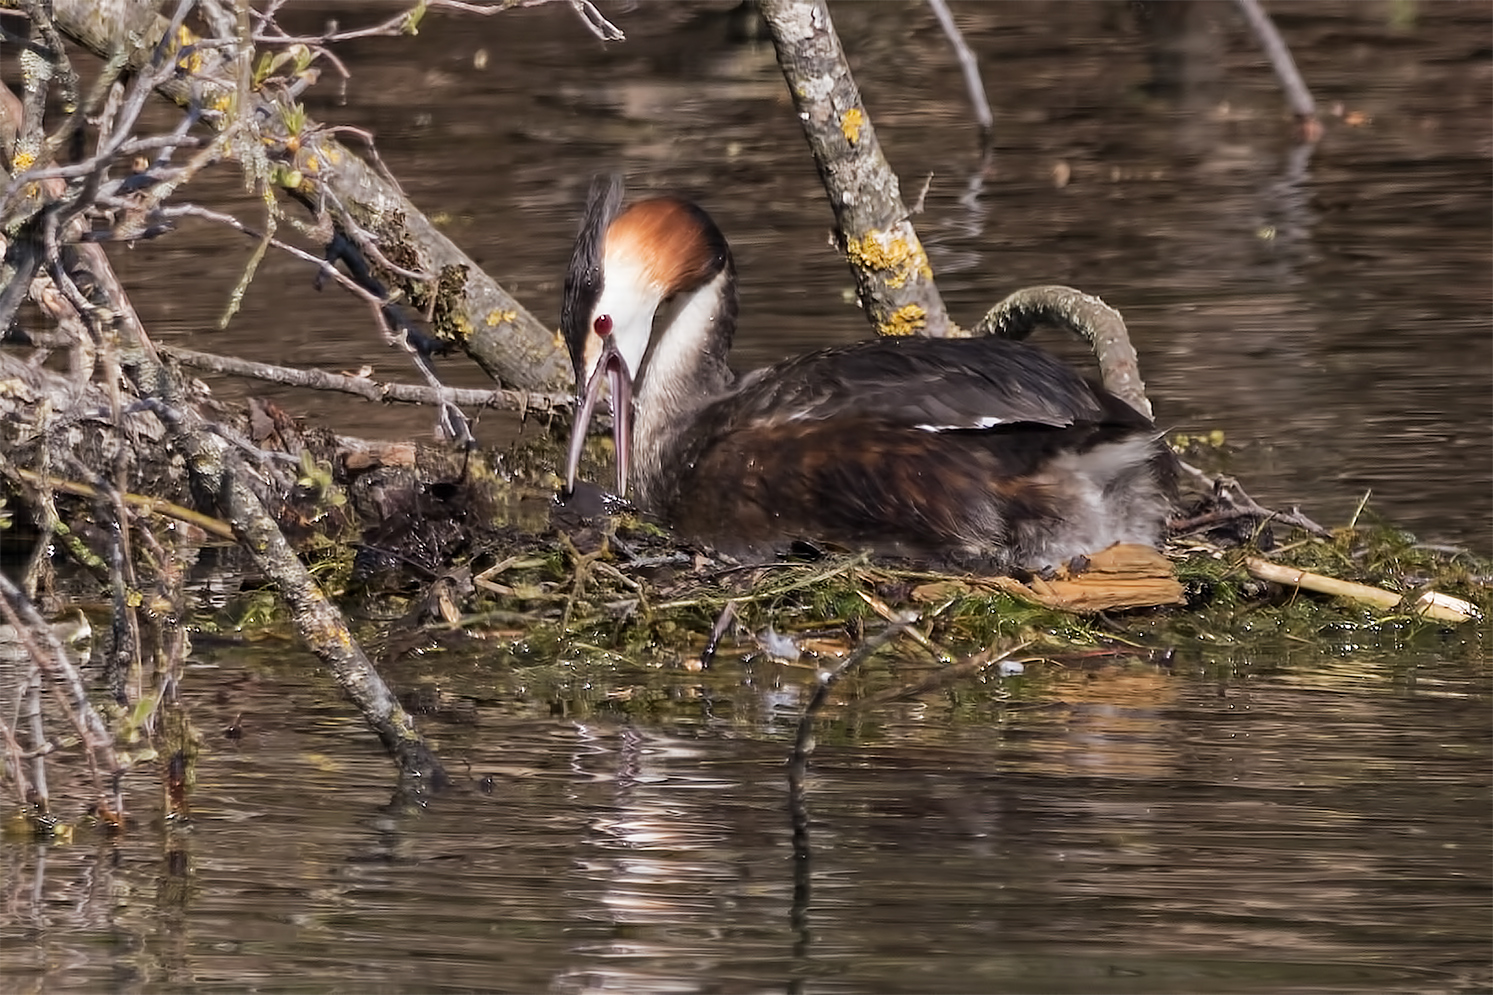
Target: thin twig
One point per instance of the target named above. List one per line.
(1236, 504)
(969, 65)
(366, 387)
(157, 506)
(803, 740)
(65, 682)
(1300, 98)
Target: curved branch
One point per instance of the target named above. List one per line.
(1083, 315)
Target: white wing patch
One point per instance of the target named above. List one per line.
(988, 421)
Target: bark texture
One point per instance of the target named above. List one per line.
(892, 275)
(1085, 316)
(471, 311)
(218, 471)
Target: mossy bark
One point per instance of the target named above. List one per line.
(892, 274)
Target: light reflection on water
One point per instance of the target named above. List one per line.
(1126, 828)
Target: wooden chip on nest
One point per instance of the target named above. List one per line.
(360, 454)
(1122, 576)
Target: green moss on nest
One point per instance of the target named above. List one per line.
(626, 593)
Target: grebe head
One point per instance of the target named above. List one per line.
(625, 264)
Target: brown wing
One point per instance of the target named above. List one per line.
(867, 482)
(931, 384)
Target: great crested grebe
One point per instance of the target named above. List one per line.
(979, 450)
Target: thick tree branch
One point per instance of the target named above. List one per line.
(892, 274)
(470, 309)
(213, 463)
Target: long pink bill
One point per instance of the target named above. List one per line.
(612, 369)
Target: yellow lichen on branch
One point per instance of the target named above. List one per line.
(185, 41)
(910, 319)
(897, 257)
(851, 125)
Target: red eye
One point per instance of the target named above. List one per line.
(603, 325)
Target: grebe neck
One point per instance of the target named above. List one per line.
(685, 369)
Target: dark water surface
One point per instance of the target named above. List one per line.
(1311, 819)
(1316, 825)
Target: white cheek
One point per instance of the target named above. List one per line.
(631, 307)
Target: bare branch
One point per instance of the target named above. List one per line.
(968, 64)
(600, 26)
(892, 274)
(1085, 316)
(366, 387)
(1300, 98)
